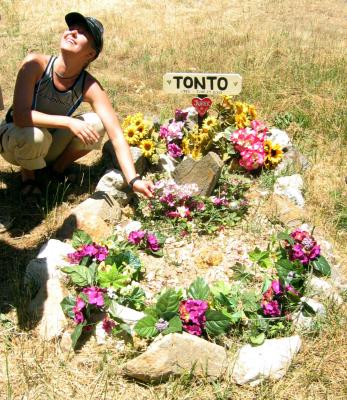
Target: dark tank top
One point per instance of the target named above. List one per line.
(49, 100)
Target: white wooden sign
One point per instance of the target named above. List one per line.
(1, 100)
(190, 83)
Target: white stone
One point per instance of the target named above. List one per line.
(270, 360)
(46, 306)
(112, 181)
(167, 163)
(277, 136)
(317, 307)
(128, 315)
(325, 289)
(291, 187)
(132, 226)
(100, 333)
(49, 261)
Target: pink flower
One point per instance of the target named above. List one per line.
(95, 251)
(276, 287)
(108, 325)
(152, 242)
(95, 295)
(79, 317)
(305, 248)
(174, 150)
(192, 314)
(271, 308)
(200, 206)
(77, 309)
(220, 201)
(135, 237)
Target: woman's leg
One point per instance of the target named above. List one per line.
(67, 148)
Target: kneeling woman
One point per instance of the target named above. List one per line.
(39, 127)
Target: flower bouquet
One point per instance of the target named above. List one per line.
(103, 276)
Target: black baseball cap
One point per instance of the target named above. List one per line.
(93, 25)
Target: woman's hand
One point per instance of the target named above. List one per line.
(144, 187)
(84, 131)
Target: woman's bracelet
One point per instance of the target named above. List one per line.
(131, 183)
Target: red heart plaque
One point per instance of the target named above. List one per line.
(201, 105)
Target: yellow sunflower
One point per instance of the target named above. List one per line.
(137, 119)
(227, 102)
(252, 112)
(126, 122)
(274, 154)
(210, 123)
(131, 135)
(241, 120)
(148, 147)
(142, 130)
(196, 153)
(240, 108)
(185, 146)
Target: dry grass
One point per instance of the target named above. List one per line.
(292, 56)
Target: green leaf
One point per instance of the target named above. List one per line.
(261, 257)
(307, 310)
(220, 287)
(145, 327)
(216, 322)
(67, 304)
(168, 301)
(75, 335)
(283, 267)
(79, 238)
(285, 236)
(258, 340)
(322, 266)
(80, 275)
(266, 285)
(175, 325)
(199, 289)
(236, 316)
(112, 278)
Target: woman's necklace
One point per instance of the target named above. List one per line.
(65, 77)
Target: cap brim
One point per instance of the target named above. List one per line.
(75, 18)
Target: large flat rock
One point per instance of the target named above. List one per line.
(205, 172)
(176, 354)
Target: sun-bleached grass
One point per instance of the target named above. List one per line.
(292, 57)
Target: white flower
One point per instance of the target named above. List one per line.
(111, 293)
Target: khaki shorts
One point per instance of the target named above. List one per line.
(32, 148)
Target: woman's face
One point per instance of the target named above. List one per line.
(76, 39)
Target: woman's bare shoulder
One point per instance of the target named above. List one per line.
(37, 61)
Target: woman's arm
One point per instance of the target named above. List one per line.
(98, 99)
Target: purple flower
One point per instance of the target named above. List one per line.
(135, 237)
(180, 115)
(220, 201)
(95, 295)
(193, 329)
(200, 206)
(95, 251)
(276, 287)
(161, 325)
(271, 308)
(174, 150)
(164, 132)
(108, 325)
(152, 242)
(79, 317)
(305, 248)
(192, 314)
